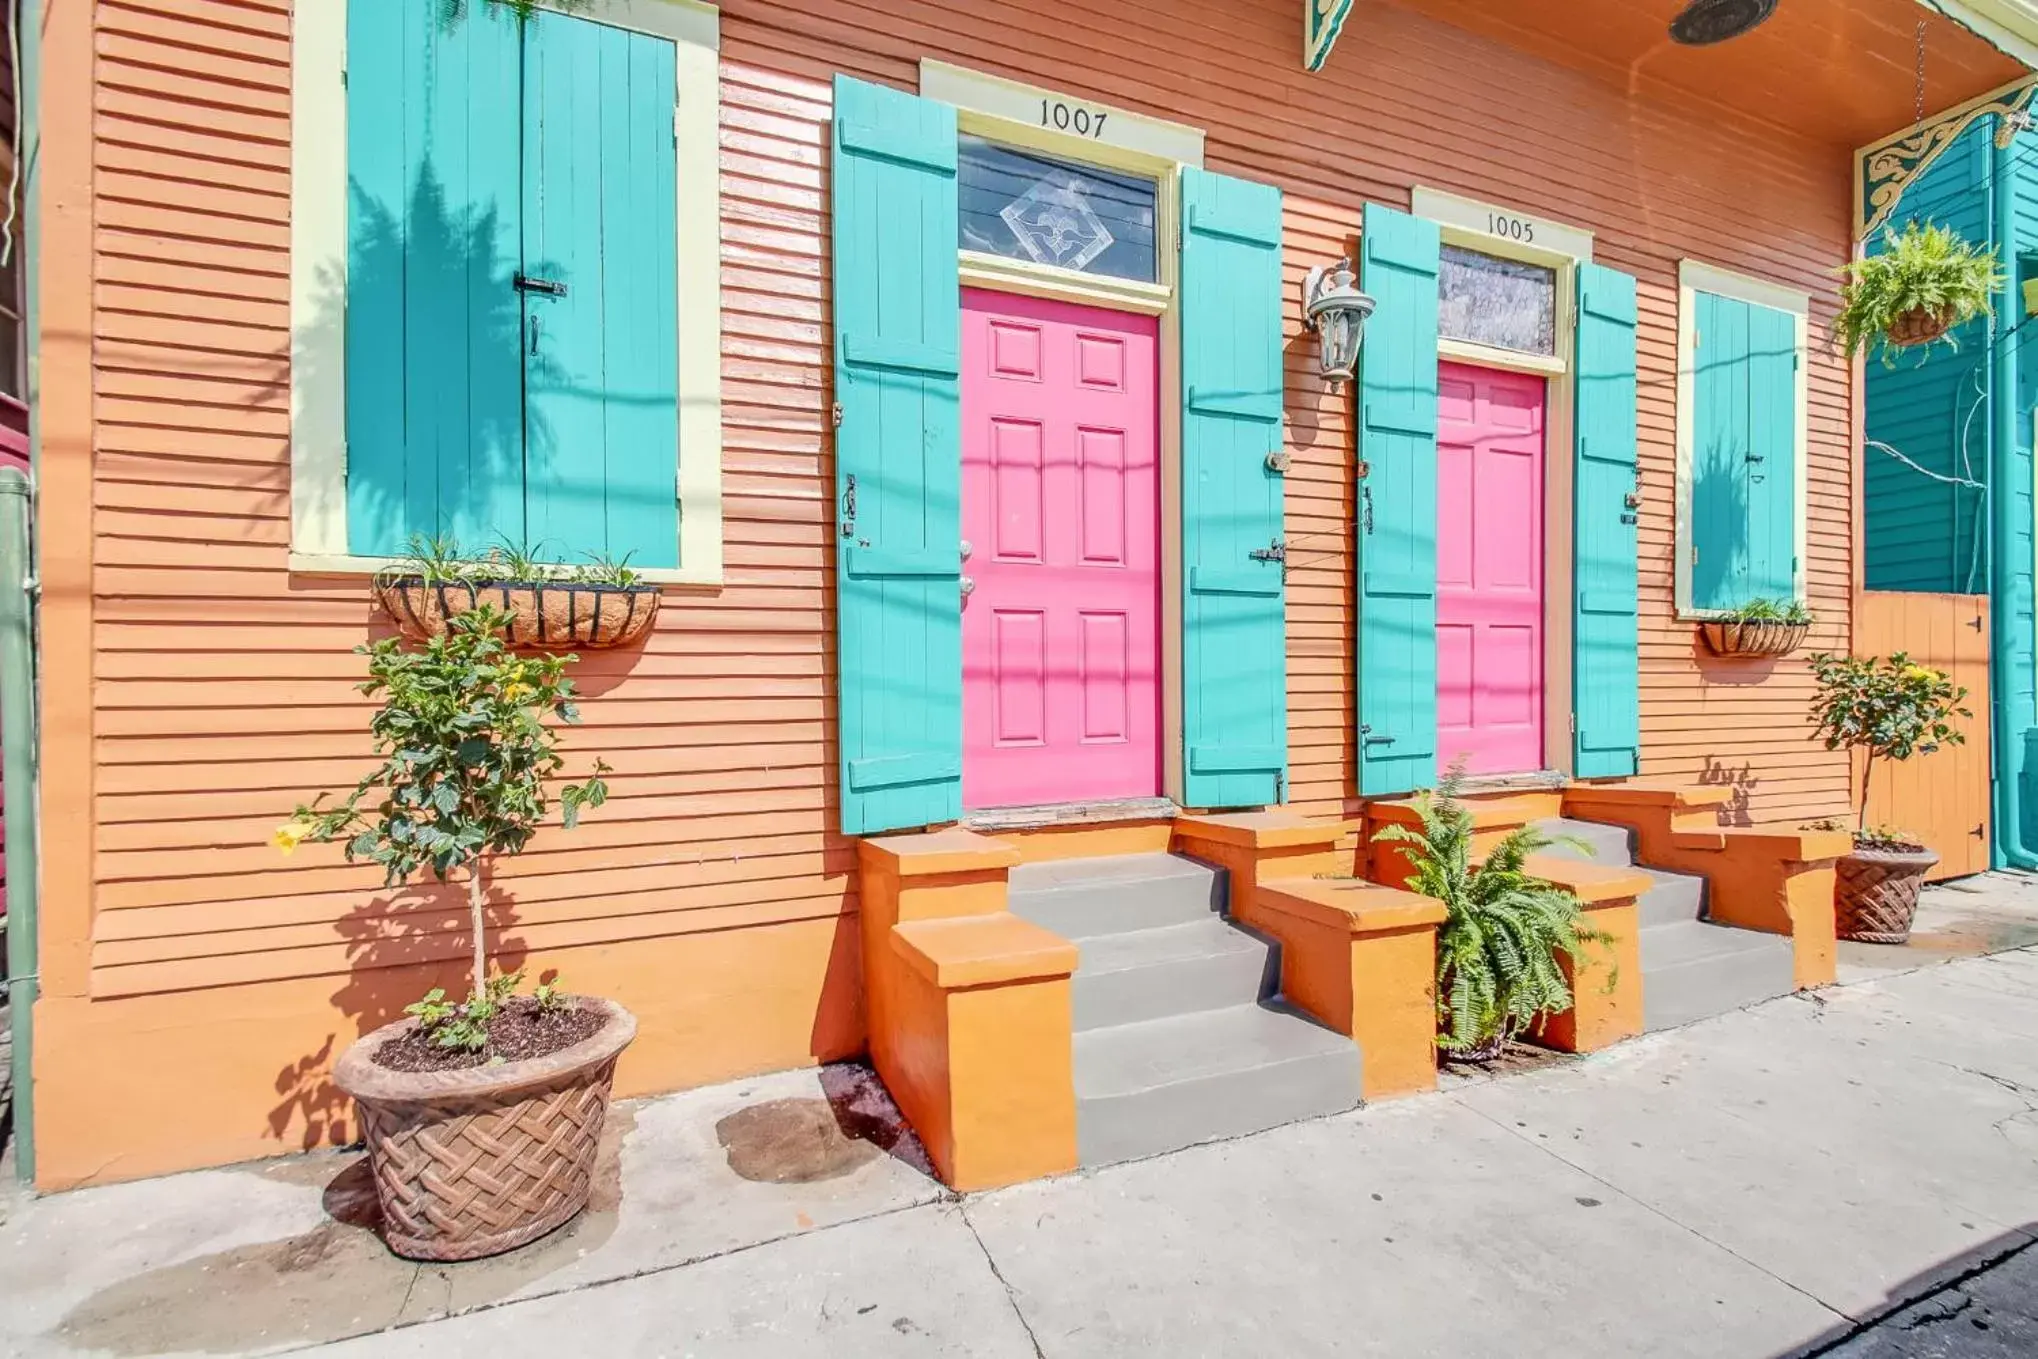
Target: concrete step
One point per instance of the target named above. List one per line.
(1676, 897)
(1174, 970)
(1696, 969)
(1143, 1089)
(1609, 845)
(1084, 898)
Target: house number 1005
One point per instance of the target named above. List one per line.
(1071, 118)
(1512, 228)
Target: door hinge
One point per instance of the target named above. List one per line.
(675, 126)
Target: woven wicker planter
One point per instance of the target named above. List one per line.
(1764, 638)
(1919, 326)
(1877, 893)
(479, 1161)
(550, 616)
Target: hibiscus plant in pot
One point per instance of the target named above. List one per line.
(1507, 936)
(1888, 708)
(482, 1116)
(1924, 283)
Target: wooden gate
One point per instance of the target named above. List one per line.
(1943, 798)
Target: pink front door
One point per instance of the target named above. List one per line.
(1061, 512)
(1489, 569)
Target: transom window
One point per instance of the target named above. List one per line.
(1026, 206)
(1484, 299)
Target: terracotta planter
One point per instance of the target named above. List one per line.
(552, 616)
(1919, 326)
(483, 1160)
(1762, 638)
(1876, 893)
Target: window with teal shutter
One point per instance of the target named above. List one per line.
(510, 301)
(1742, 492)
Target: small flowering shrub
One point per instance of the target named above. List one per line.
(466, 753)
(1889, 708)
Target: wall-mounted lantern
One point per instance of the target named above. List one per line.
(1334, 308)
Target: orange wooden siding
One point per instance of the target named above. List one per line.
(712, 893)
(1942, 798)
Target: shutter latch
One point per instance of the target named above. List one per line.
(551, 287)
(1276, 551)
(849, 505)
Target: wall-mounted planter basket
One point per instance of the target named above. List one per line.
(1766, 638)
(551, 616)
(1919, 326)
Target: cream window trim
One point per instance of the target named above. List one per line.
(318, 273)
(1492, 356)
(1694, 277)
(980, 270)
(1468, 222)
(340, 564)
(1030, 112)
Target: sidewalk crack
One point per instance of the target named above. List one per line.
(1011, 1293)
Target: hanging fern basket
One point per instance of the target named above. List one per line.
(1919, 325)
(1764, 637)
(543, 615)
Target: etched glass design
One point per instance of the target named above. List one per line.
(1026, 206)
(1504, 303)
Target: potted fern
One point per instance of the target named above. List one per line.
(1499, 972)
(1889, 709)
(1925, 281)
(1761, 627)
(482, 1116)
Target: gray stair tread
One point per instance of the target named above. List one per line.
(1129, 1058)
(1699, 941)
(1114, 870)
(1167, 944)
(1610, 843)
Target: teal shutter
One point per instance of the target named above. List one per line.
(1606, 646)
(1397, 499)
(601, 364)
(1772, 453)
(1744, 454)
(434, 401)
(898, 458)
(1719, 455)
(1234, 626)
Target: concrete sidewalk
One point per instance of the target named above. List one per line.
(1754, 1185)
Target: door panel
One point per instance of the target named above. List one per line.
(1061, 509)
(1489, 569)
(1943, 798)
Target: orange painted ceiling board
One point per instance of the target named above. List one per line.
(1839, 71)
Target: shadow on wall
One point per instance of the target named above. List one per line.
(1719, 519)
(1734, 812)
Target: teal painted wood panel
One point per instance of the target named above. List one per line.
(1234, 640)
(1719, 455)
(434, 388)
(898, 458)
(601, 452)
(1772, 453)
(1397, 497)
(1605, 639)
(1919, 533)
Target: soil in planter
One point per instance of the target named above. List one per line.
(520, 1032)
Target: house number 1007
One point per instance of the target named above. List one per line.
(1071, 118)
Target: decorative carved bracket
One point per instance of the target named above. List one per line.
(1321, 20)
(1884, 170)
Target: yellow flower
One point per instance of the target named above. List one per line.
(290, 834)
(513, 692)
(1924, 673)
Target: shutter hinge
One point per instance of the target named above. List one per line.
(1694, 337)
(1574, 723)
(1280, 787)
(675, 125)
(1694, 554)
(835, 415)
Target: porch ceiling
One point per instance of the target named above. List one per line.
(1838, 71)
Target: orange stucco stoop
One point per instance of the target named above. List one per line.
(969, 1009)
(1774, 878)
(1358, 957)
(1606, 978)
(1494, 815)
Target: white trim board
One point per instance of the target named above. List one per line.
(318, 273)
(1034, 107)
(1693, 277)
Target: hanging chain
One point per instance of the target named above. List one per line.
(1920, 88)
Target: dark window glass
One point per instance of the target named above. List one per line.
(1030, 207)
(1493, 301)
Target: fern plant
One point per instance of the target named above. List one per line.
(1770, 609)
(1925, 268)
(1499, 965)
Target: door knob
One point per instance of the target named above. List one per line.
(966, 549)
(968, 586)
